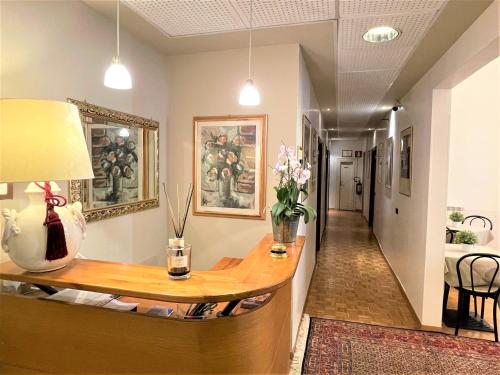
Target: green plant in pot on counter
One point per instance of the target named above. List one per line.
(456, 217)
(466, 238)
(287, 211)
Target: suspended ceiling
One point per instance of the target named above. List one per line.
(351, 77)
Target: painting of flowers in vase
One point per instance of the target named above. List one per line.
(229, 166)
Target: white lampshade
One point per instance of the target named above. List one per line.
(249, 94)
(41, 140)
(117, 76)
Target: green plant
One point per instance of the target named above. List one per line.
(292, 177)
(456, 217)
(465, 237)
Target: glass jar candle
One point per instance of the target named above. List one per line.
(178, 259)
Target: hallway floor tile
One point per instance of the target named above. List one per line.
(352, 280)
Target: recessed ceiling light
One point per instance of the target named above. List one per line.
(328, 109)
(381, 34)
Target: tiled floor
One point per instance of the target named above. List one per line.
(353, 282)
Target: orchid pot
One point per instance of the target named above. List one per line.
(286, 213)
(286, 230)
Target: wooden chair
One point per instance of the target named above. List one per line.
(484, 219)
(450, 235)
(487, 289)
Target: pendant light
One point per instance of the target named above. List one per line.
(249, 94)
(117, 76)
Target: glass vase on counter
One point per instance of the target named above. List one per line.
(178, 259)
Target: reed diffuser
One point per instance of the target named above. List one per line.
(178, 252)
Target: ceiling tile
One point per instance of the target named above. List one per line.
(180, 18)
(278, 12)
(362, 59)
(363, 8)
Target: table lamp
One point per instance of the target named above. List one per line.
(42, 140)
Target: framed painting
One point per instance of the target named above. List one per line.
(229, 168)
(380, 162)
(123, 149)
(347, 153)
(314, 158)
(368, 164)
(406, 144)
(306, 147)
(388, 162)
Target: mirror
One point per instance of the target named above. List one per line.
(124, 152)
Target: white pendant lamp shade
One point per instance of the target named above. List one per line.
(249, 95)
(117, 76)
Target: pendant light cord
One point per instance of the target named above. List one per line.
(250, 43)
(118, 28)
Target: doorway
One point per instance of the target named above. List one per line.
(373, 177)
(346, 192)
(319, 195)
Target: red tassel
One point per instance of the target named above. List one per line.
(56, 240)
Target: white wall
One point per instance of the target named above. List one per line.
(336, 148)
(413, 240)
(208, 84)
(473, 175)
(308, 105)
(56, 50)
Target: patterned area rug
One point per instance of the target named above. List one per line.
(339, 347)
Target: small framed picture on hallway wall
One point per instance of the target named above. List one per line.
(405, 164)
(388, 162)
(380, 161)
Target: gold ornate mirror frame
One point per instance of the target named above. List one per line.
(117, 159)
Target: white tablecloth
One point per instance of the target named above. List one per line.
(484, 235)
(483, 268)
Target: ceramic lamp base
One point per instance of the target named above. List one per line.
(25, 237)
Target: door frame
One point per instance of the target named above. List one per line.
(319, 193)
(339, 174)
(373, 180)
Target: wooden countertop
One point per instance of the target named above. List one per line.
(257, 274)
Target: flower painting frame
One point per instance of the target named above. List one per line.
(380, 162)
(229, 166)
(124, 150)
(306, 147)
(405, 164)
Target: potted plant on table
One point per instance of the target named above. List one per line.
(287, 211)
(466, 238)
(456, 218)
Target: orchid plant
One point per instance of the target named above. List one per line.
(292, 177)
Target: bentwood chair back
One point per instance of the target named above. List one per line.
(450, 235)
(478, 276)
(482, 219)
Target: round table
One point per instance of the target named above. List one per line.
(484, 235)
(482, 269)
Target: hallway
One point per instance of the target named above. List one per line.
(352, 280)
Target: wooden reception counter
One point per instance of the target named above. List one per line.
(47, 336)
